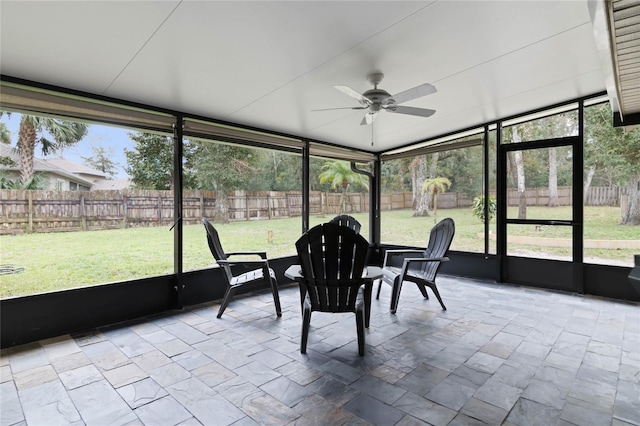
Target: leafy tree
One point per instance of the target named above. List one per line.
(617, 152)
(51, 134)
(340, 175)
(465, 166)
(276, 171)
(396, 175)
(101, 160)
(315, 170)
(5, 134)
(150, 163)
(223, 168)
(5, 138)
(435, 186)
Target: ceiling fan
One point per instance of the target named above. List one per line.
(374, 100)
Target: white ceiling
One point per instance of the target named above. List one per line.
(268, 64)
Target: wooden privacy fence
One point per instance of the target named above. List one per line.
(23, 211)
(595, 196)
(54, 211)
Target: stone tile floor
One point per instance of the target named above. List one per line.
(498, 355)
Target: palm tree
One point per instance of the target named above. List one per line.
(39, 181)
(436, 186)
(36, 130)
(339, 173)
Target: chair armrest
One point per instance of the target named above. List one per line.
(261, 262)
(398, 252)
(262, 254)
(425, 259)
(408, 261)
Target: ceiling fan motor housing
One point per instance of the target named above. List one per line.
(377, 96)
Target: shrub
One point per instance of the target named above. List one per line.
(478, 207)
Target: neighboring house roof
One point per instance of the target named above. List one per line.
(113, 184)
(76, 168)
(59, 166)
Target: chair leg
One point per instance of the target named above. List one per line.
(437, 293)
(360, 327)
(231, 291)
(306, 321)
(379, 287)
(276, 296)
(423, 290)
(395, 294)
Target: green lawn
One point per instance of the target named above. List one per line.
(56, 261)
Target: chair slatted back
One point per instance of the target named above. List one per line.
(216, 247)
(439, 242)
(348, 221)
(332, 258)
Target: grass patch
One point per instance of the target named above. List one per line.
(57, 261)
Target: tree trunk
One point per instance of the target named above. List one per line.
(435, 207)
(422, 198)
(343, 198)
(433, 169)
(522, 195)
(221, 208)
(553, 178)
(631, 215)
(587, 184)
(415, 190)
(519, 162)
(26, 147)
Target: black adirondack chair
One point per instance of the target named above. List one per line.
(332, 259)
(418, 266)
(236, 282)
(348, 221)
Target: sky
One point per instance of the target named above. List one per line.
(113, 139)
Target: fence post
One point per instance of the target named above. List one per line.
(286, 204)
(30, 206)
(269, 205)
(125, 211)
(246, 206)
(201, 203)
(159, 209)
(83, 217)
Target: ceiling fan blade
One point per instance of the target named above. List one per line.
(413, 93)
(368, 118)
(355, 95)
(332, 109)
(421, 112)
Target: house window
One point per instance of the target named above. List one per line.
(60, 185)
(73, 186)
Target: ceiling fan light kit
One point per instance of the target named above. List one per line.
(374, 100)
